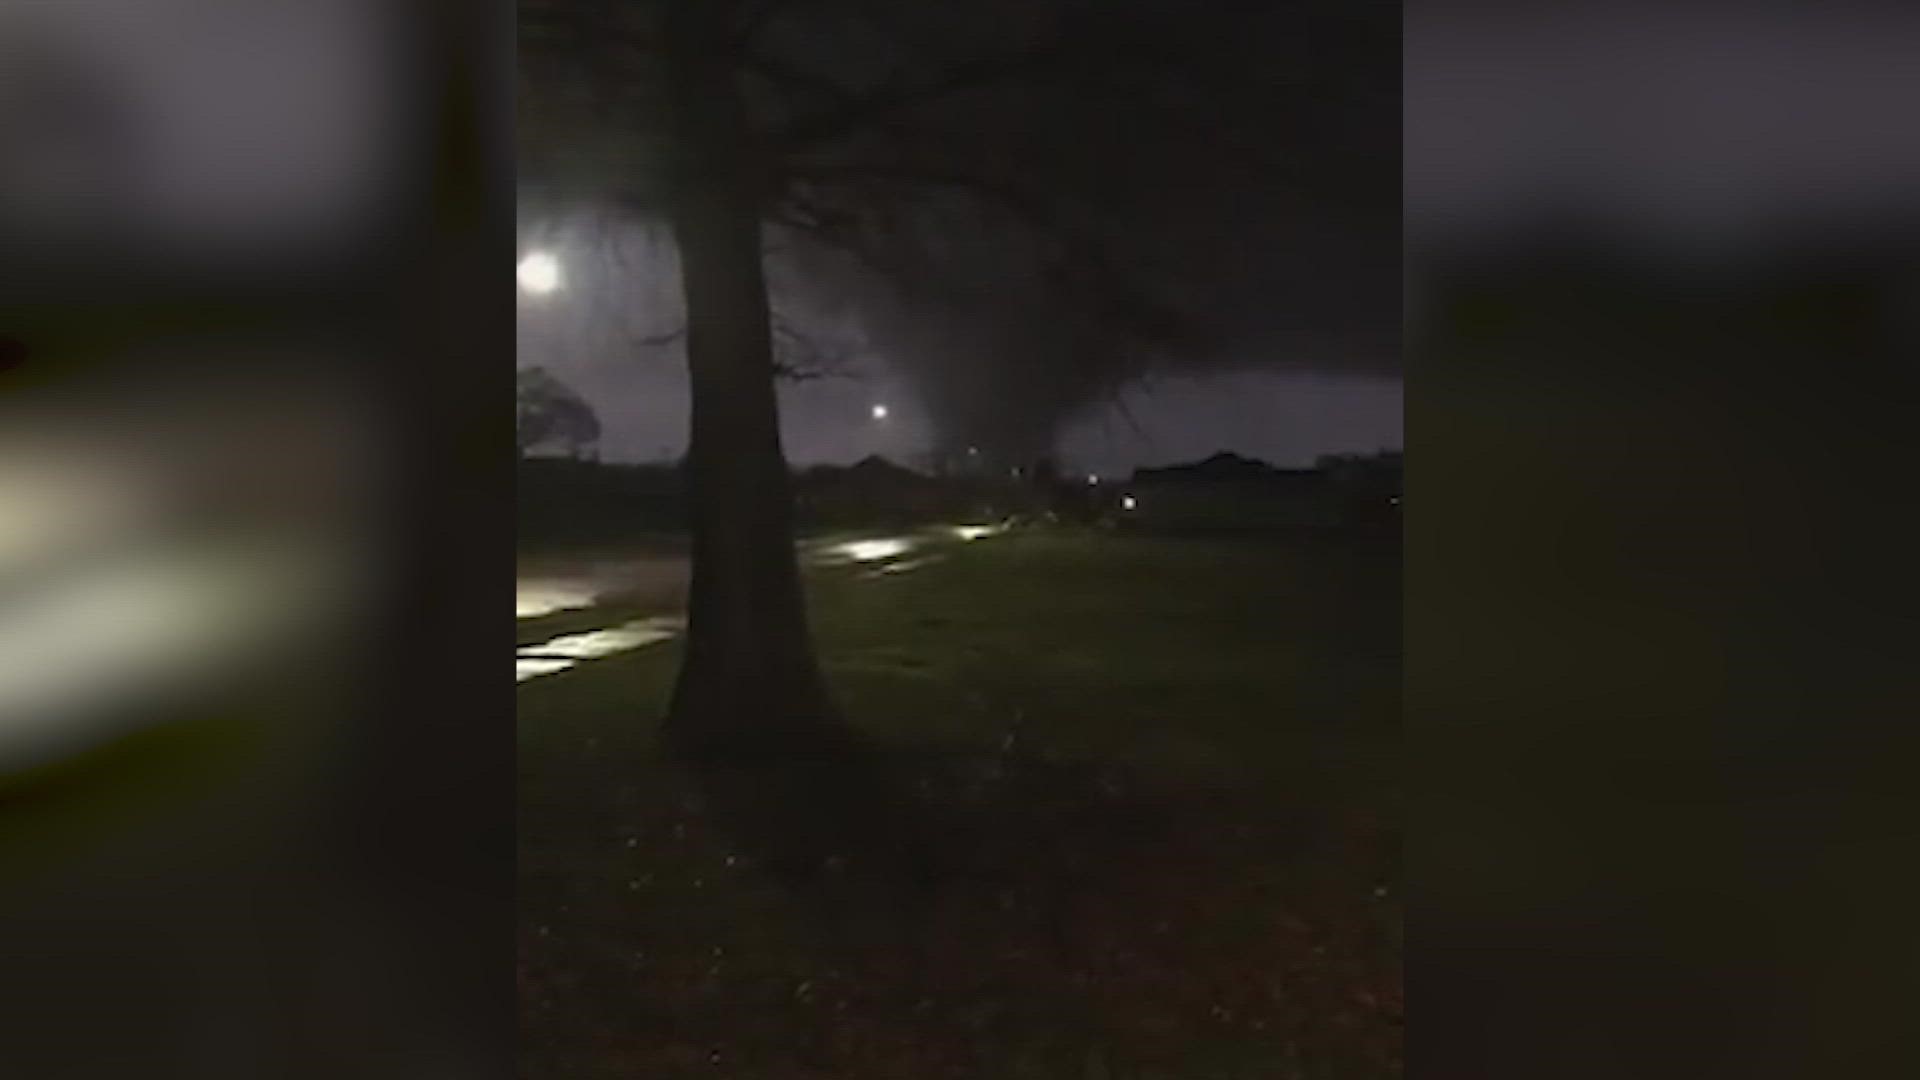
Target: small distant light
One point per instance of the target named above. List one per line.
(973, 451)
(879, 412)
(538, 273)
(1128, 502)
(1395, 500)
(1092, 480)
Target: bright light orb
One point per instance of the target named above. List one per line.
(1128, 502)
(539, 273)
(879, 412)
(1092, 480)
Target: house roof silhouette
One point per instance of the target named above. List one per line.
(1228, 467)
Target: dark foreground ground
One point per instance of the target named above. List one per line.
(1141, 818)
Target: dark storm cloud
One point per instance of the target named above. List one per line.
(1237, 167)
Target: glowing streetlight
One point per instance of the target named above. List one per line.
(879, 412)
(538, 273)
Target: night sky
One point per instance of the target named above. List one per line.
(1285, 413)
(1230, 178)
(1285, 417)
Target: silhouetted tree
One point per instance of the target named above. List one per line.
(548, 412)
(918, 137)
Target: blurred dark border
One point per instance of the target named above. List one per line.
(371, 933)
(1663, 293)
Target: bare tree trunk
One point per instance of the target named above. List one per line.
(749, 679)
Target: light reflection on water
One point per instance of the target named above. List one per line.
(533, 597)
(527, 667)
(567, 650)
(874, 549)
(537, 597)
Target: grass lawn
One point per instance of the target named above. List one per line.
(1159, 781)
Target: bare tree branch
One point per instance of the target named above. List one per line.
(1079, 260)
(857, 112)
(1119, 399)
(826, 226)
(798, 357)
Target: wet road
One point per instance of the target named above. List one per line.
(546, 586)
(657, 582)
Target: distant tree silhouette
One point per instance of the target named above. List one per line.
(547, 412)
